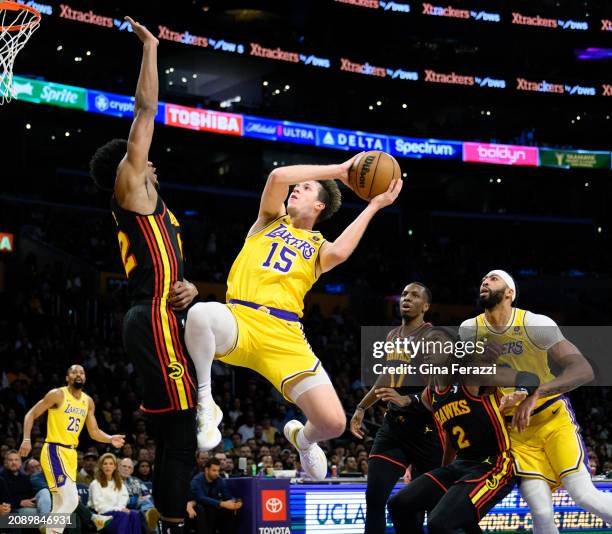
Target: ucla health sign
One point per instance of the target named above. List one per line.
(117, 105)
(351, 139)
(409, 147)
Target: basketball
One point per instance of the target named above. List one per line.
(372, 172)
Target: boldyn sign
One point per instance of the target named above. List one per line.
(500, 154)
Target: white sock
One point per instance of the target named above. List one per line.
(302, 441)
(210, 329)
(65, 501)
(580, 487)
(537, 494)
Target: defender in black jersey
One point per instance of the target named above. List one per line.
(408, 436)
(151, 251)
(482, 473)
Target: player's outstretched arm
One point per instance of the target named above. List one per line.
(333, 254)
(116, 440)
(130, 176)
(272, 205)
(53, 398)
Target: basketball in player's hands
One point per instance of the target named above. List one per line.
(372, 173)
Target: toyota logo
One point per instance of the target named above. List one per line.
(274, 505)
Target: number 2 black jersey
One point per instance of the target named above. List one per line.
(474, 423)
(151, 250)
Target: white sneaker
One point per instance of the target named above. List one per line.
(313, 459)
(209, 416)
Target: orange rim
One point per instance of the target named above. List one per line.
(14, 6)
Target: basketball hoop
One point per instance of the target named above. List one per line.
(17, 23)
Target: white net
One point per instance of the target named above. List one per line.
(17, 23)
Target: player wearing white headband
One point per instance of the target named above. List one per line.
(546, 442)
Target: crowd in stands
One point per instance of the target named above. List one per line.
(40, 338)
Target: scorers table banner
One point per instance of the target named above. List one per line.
(342, 508)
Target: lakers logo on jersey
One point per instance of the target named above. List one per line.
(301, 245)
(176, 371)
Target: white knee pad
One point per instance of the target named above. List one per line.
(299, 387)
(215, 318)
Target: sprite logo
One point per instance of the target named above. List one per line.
(54, 94)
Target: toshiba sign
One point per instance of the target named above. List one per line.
(203, 120)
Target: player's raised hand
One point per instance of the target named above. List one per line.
(141, 31)
(357, 422)
(346, 167)
(388, 197)
(117, 441)
(25, 448)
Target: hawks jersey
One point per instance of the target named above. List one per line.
(397, 381)
(151, 250)
(64, 423)
(475, 425)
(277, 266)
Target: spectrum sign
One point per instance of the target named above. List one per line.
(500, 154)
(409, 147)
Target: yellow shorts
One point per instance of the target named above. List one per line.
(277, 349)
(58, 464)
(551, 446)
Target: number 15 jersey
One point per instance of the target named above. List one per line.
(277, 266)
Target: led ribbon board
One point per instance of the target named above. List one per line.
(237, 124)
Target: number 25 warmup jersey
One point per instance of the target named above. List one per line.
(64, 423)
(277, 266)
(58, 457)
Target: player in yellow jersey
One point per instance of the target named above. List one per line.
(259, 327)
(545, 436)
(69, 409)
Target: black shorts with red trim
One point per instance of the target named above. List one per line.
(484, 483)
(153, 337)
(406, 440)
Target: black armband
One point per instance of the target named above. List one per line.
(527, 381)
